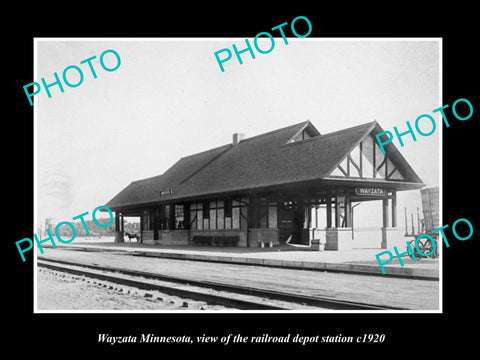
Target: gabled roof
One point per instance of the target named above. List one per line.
(260, 161)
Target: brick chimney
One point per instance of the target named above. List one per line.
(237, 137)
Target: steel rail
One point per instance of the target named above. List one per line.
(316, 301)
(169, 290)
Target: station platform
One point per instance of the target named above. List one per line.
(358, 261)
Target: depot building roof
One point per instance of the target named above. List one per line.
(291, 155)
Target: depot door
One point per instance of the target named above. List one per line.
(288, 223)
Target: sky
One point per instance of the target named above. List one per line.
(169, 99)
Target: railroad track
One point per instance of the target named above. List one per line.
(232, 296)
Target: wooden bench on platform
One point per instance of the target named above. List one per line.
(209, 240)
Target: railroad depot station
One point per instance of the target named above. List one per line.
(288, 186)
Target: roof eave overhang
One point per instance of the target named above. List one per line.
(388, 184)
(328, 183)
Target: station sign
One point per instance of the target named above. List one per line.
(370, 191)
(166, 192)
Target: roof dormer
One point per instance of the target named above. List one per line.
(306, 132)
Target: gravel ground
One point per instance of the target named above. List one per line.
(62, 291)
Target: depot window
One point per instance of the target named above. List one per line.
(179, 217)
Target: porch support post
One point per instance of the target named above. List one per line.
(250, 220)
(394, 209)
(329, 210)
(161, 217)
(156, 222)
(385, 223)
(117, 223)
(118, 227)
(385, 212)
(253, 221)
(348, 212)
(337, 212)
